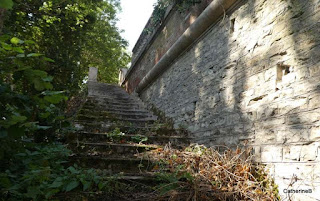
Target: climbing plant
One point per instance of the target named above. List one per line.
(161, 6)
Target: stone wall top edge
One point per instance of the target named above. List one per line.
(149, 37)
(156, 30)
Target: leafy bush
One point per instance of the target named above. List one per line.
(29, 112)
(40, 173)
(75, 33)
(28, 101)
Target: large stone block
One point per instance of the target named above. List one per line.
(265, 136)
(301, 153)
(304, 117)
(314, 101)
(297, 171)
(293, 134)
(271, 153)
(315, 134)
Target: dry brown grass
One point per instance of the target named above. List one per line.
(200, 173)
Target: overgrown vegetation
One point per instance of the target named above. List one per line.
(200, 173)
(40, 173)
(45, 50)
(161, 6)
(33, 165)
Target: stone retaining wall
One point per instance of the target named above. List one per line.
(156, 40)
(253, 79)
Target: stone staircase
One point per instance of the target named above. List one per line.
(113, 129)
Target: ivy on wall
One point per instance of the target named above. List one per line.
(161, 6)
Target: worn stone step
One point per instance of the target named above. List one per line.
(117, 115)
(111, 149)
(114, 117)
(139, 186)
(116, 111)
(138, 120)
(114, 97)
(113, 165)
(104, 89)
(118, 107)
(145, 139)
(113, 121)
(110, 126)
(114, 103)
(145, 179)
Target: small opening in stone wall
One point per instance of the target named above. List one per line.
(232, 22)
(257, 99)
(282, 70)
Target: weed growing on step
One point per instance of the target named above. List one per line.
(139, 139)
(116, 135)
(201, 173)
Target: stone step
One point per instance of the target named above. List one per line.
(112, 98)
(116, 111)
(148, 120)
(112, 103)
(176, 141)
(113, 165)
(140, 185)
(117, 115)
(117, 107)
(107, 89)
(110, 149)
(108, 127)
(120, 122)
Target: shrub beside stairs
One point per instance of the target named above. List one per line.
(113, 129)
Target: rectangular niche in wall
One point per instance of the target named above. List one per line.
(283, 70)
(232, 22)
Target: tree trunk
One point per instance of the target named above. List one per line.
(2, 14)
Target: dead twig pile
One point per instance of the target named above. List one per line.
(200, 173)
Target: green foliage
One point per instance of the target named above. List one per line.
(184, 5)
(159, 11)
(115, 135)
(161, 6)
(39, 173)
(139, 139)
(29, 112)
(74, 34)
(28, 103)
(37, 75)
(171, 180)
(7, 4)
